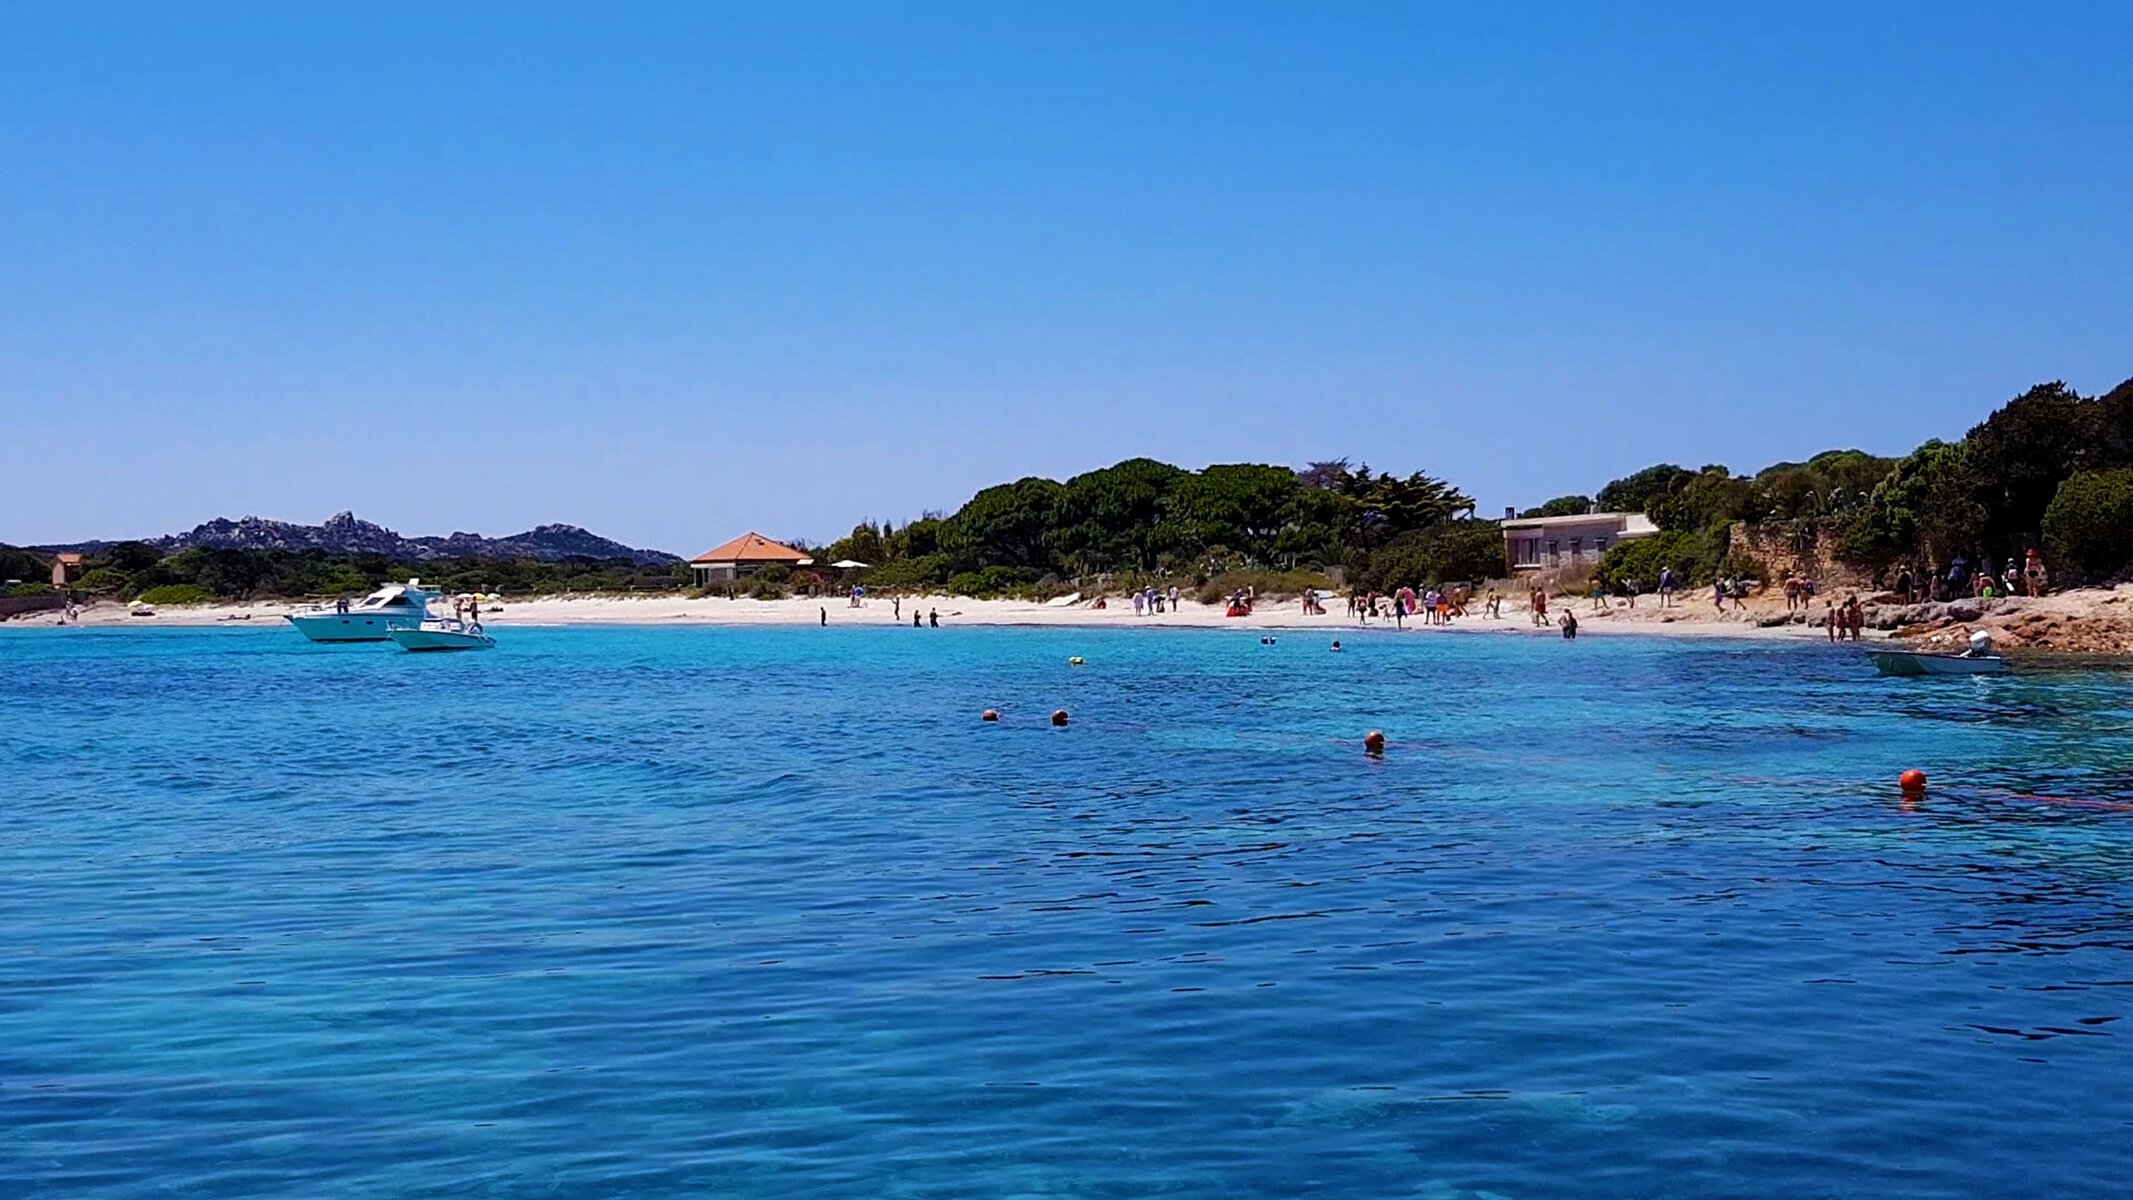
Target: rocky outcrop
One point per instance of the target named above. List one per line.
(346, 533)
(2087, 621)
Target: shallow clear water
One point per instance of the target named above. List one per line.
(720, 912)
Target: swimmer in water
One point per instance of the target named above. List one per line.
(1336, 646)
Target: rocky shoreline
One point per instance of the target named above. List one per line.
(2083, 621)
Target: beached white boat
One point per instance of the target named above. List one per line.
(1913, 662)
(442, 635)
(371, 619)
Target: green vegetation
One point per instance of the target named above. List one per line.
(127, 569)
(2050, 468)
(1561, 506)
(2088, 526)
(176, 593)
(1146, 521)
(1984, 497)
(1693, 555)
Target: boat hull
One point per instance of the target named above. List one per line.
(1911, 662)
(430, 640)
(352, 627)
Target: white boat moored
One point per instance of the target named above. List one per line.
(1978, 660)
(443, 635)
(371, 619)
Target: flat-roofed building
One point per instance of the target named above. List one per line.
(1554, 543)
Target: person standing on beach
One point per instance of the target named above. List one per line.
(825, 617)
(1570, 625)
(1666, 587)
(916, 622)
(933, 617)
(896, 607)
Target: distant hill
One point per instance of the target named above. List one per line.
(346, 533)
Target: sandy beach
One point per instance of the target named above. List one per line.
(1687, 620)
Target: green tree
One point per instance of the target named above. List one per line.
(25, 565)
(1448, 552)
(1242, 505)
(1638, 492)
(1561, 506)
(1008, 526)
(1928, 505)
(1111, 519)
(2088, 527)
(863, 544)
(2022, 452)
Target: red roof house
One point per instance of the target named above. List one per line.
(744, 555)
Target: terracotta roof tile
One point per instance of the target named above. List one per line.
(752, 547)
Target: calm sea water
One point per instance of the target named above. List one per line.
(711, 912)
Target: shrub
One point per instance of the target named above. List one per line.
(1447, 552)
(992, 581)
(766, 589)
(925, 570)
(2088, 527)
(176, 593)
(775, 573)
(1694, 557)
(105, 581)
(1261, 583)
(26, 589)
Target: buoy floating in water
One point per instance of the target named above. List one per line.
(1374, 743)
(991, 714)
(1913, 780)
(1074, 661)
(1059, 716)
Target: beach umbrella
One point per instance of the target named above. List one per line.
(849, 564)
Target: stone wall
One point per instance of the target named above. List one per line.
(15, 606)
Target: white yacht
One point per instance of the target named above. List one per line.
(371, 619)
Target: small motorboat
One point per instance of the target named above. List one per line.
(1980, 660)
(442, 635)
(1913, 662)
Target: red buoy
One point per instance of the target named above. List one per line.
(1913, 780)
(1374, 742)
(1059, 716)
(991, 714)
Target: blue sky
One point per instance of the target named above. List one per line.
(673, 273)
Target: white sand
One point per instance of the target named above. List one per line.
(1687, 620)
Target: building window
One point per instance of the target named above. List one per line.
(1599, 546)
(1576, 546)
(1554, 553)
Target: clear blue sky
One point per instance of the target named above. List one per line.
(677, 273)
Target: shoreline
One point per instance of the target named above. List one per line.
(582, 611)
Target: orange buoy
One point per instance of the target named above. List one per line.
(1374, 742)
(1059, 716)
(991, 714)
(1913, 780)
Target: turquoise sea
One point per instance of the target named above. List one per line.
(722, 912)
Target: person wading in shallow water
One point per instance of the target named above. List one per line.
(916, 622)
(1570, 625)
(933, 617)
